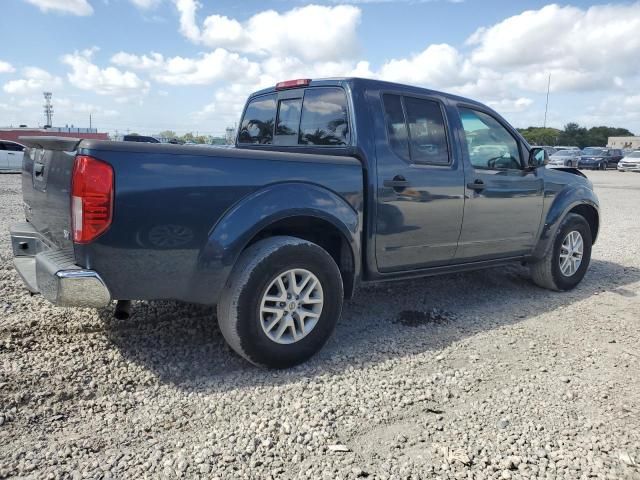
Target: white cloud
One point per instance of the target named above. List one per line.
(218, 65)
(508, 105)
(35, 79)
(437, 66)
(107, 81)
(187, 10)
(312, 32)
(72, 7)
(139, 62)
(6, 67)
(68, 106)
(582, 49)
(145, 4)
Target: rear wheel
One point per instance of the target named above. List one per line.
(281, 303)
(568, 259)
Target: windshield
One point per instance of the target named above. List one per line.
(563, 153)
(634, 155)
(593, 151)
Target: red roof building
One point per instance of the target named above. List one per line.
(12, 134)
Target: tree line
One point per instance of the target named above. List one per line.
(573, 135)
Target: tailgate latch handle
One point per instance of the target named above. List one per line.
(38, 168)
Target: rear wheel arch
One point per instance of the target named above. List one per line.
(321, 232)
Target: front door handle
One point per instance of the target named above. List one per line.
(399, 183)
(477, 184)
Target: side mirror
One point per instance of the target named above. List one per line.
(537, 157)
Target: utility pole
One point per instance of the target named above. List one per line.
(48, 108)
(546, 107)
(89, 121)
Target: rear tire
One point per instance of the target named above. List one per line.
(250, 321)
(547, 272)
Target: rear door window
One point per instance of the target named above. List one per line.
(324, 119)
(420, 135)
(259, 120)
(427, 136)
(396, 126)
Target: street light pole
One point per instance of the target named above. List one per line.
(546, 106)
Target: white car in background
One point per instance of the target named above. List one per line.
(630, 163)
(11, 154)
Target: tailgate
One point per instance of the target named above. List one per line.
(46, 186)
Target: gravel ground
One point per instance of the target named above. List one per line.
(473, 376)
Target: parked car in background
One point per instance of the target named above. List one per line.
(278, 231)
(550, 150)
(558, 148)
(564, 158)
(11, 154)
(614, 155)
(140, 138)
(599, 158)
(630, 163)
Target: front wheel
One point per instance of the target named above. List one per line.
(281, 302)
(567, 261)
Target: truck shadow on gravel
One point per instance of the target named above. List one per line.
(182, 345)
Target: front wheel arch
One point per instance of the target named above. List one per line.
(590, 214)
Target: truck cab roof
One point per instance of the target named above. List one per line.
(371, 84)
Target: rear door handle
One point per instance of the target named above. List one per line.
(398, 183)
(476, 185)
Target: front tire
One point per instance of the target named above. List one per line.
(567, 261)
(281, 302)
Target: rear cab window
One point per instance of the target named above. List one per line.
(312, 116)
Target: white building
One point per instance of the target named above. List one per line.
(624, 142)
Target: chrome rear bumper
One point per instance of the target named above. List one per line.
(53, 272)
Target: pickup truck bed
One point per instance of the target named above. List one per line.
(169, 239)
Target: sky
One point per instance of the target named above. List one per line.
(186, 65)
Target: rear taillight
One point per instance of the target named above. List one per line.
(91, 198)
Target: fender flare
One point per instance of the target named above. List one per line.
(255, 212)
(565, 201)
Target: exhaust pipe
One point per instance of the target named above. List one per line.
(123, 310)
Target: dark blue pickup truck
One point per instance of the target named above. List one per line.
(332, 183)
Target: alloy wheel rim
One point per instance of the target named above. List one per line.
(291, 306)
(571, 252)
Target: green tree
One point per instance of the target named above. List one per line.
(541, 136)
(573, 134)
(168, 134)
(599, 136)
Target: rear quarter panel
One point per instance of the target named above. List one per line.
(168, 204)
